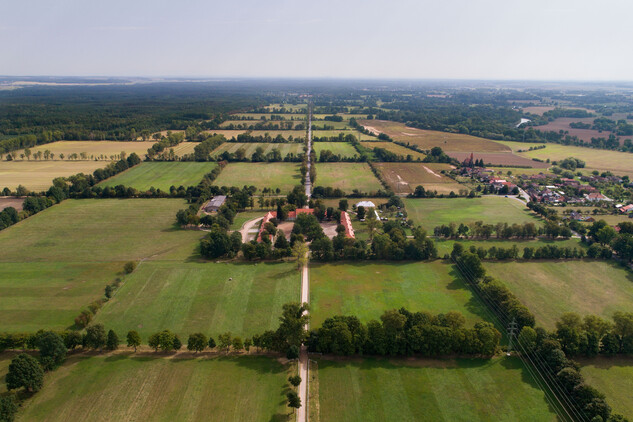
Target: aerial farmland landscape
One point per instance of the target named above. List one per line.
(423, 213)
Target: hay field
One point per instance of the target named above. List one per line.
(38, 175)
(551, 288)
(368, 289)
(94, 149)
(284, 176)
(347, 176)
(368, 390)
(395, 148)
(125, 387)
(427, 139)
(250, 147)
(405, 177)
(161, 175)
(344, 149)
(612, 376)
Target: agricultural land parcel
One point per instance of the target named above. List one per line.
(122, 387)
(433, 212)
(393, 147)
(344, 149)
(93, 149)
(435, 390)
(261, 175)
(38, 175)
(405, 177)
(445, 246)
(347, 176)
(161, 175)
(250, 147)
(551, 288)
(614, 377)
(58, 261)
(368, 289)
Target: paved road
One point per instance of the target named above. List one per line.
(308, 183)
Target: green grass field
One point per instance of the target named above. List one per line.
(38, 176)
(284, 176)
(429, 390)
(445, 246)
(344, 149)
(243, 217)
(368, 289)
(127, 388)
(250, 147)
(612, 376)
(347, 176)
(58, 261)
(430, 213)
(161, 175)
(187, 297)
(549, 289)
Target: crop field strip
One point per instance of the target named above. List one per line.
(344, 149)
(405, 177)
(393, 147)
(347, 176)
(250, 147)
(261, 175)
(38, 175)
(93, 149)
(161, 175)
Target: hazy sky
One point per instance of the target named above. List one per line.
(471, 39)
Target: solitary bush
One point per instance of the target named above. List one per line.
(129, 267)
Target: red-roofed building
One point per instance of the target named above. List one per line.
(347, 223)
(269, 215)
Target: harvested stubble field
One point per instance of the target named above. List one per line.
(427, 139)
(38, 175)
(347, 176)
(500, 158)
(93, 149)
(11, 201)
(188, 297)
(562, 123)
(612, 376)
(395, 148)
(432, 212)
(499, 389)
(58, 261)
(250, 147)
(125, 387)
(161, 175)
(619, 163)
(261, 175)
(344, 149)
(551, 288)
(368, 289)
(405, 177)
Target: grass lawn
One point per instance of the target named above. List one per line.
(38, 175)
(500, 389)
(445, 246)
(344, 149)
(405, 177)
(187, 297)
(243, 217)
(161, 175)
(57, 262)
(612, 376)
(432, 212)
(93, 149)
(347, 176)
(126, 388)
(549, 288)
(284, 176)
(368, 289)
(250, 147)
(427, 139)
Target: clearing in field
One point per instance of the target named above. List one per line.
(433, 212)
(551, 288)
(188, 297)
(344, 149)
(38, 175)
(58, 261)
(395, 148)
(612, 376)
(126, 388)
(161, 175)
(618, 163)
(427, 139)
(500, 389)
(347, 176)
(284, 176)
(250, 147)
(405, 177)
(368, 289)
(102, 150)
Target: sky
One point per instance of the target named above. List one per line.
(413, 39)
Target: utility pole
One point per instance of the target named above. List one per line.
(511, 333)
